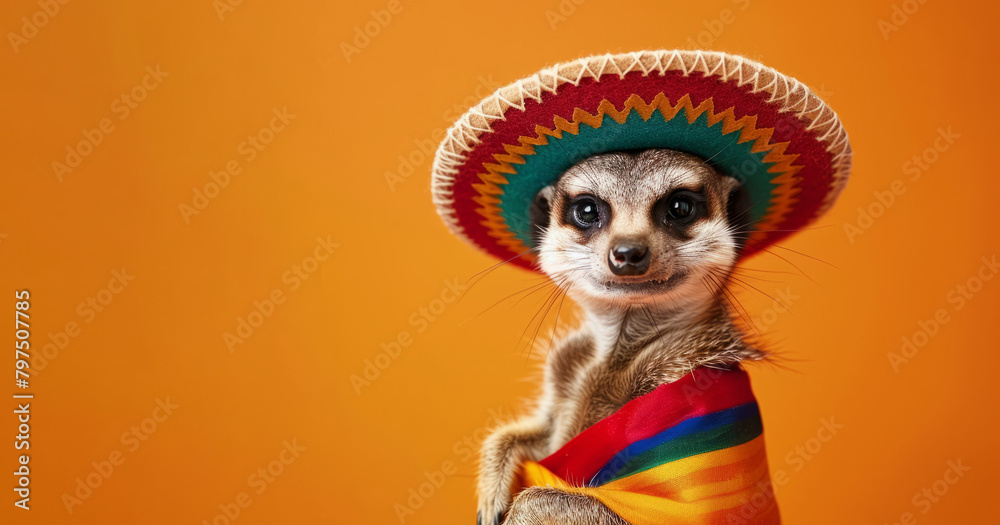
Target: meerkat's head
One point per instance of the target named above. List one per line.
(651, 227)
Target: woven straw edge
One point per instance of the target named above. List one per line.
(794, 96)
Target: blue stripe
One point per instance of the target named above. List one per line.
(687, 427)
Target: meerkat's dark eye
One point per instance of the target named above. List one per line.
(585, 213)
(684, 206)
(680, 207)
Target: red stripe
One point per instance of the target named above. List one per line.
(701, 392)
(813, 156)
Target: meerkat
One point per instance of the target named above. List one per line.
(644, 242)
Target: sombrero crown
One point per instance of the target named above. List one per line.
(748, 121)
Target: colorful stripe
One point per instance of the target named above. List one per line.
(703, 391)
(691, 452)
(694, 436)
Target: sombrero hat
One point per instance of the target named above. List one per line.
(747, 120)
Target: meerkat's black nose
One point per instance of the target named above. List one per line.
(629, 258)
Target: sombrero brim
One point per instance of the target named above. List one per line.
(766, 129)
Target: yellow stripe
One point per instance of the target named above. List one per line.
(636, 498)
(672, 472)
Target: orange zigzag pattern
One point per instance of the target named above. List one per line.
(785, 171)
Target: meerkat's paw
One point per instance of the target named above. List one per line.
(495, 496)
(497, 518)
(502, 455)
(545, 506)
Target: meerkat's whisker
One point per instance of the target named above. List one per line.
(473, 281)
(793, 265)
(544, 283)
(750, 287)
(533, 292)
(547, 306)
(736, 271)
(734, 302)
(806, 255)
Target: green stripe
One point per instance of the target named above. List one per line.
(708, 142)
(719, 438)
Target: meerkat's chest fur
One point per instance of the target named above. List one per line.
(587, 380)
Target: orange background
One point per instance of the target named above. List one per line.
(323, 176)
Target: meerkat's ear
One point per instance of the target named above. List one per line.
(539, 211)
(738, 211)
